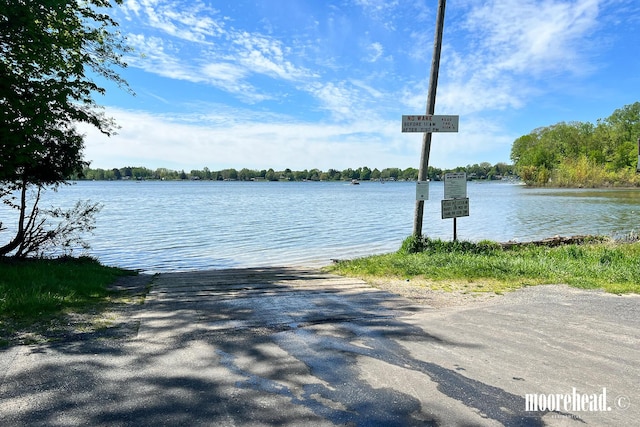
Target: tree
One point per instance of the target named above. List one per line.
(271, 175)
(116, 173)
(390, 173)
(349, 174)
(314, 174)
(434, 174)
(365, 173)
(567, 148)
(50, 52)
(625, 123)
(247, 174)
(207, 173)
(333, 175)
(502, 169)
(196, 174)
(410, 174)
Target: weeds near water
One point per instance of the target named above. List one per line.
(612, 266)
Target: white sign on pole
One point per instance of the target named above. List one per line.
(422, 190)
(455, 185)
(424, 124)
(455, 208)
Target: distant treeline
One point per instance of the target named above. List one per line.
(477, 171)
(580, 154)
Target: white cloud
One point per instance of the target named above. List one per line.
(158, 57)
(335, 98)
(224, 72)
(480, 139)
(478, 94)
(375, 52)
(262, 55)
(131, 6)
(373, 92)
(532, 37)
(192, 46)
(229, 141)
(514, 49)
(238, 139)
(191, 21)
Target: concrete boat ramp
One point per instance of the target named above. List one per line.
(299, 347)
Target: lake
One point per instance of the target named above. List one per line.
(158, 226)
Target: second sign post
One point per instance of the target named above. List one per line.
(455, 203)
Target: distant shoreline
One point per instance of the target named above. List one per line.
(609, 186)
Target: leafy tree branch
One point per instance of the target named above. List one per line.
(49, 52)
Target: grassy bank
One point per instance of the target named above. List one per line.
(489, 267)
(37, 291)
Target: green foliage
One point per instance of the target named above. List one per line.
(413, 244)
(50, 53)
(605, 265)
(47, 50)
(582, 154)
(477, 171)
(36, 288)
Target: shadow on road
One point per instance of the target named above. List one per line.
(268, 346)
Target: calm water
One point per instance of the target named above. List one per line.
(173, 226)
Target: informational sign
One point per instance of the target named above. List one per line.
(455, 208)
(424, 124)
(422, 190)
(455, 185)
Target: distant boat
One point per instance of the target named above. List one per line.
(355, 182)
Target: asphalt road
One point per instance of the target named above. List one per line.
(296, 347)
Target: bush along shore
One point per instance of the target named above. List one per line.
(587, 262)
(39, 297)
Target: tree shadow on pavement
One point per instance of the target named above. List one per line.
(269, 346)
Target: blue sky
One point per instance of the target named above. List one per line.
(323, 84)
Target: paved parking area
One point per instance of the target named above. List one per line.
(292, 346)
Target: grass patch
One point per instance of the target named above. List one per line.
(39, 291)
(488, 267)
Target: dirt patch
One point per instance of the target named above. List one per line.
(434, 295)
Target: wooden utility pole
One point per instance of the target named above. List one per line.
(431, 104)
